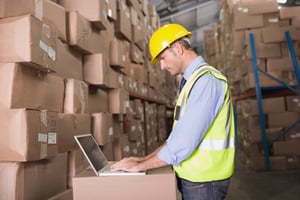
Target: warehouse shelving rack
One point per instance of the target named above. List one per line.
(260, 92)
(144, 99)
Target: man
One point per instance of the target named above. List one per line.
(201, 145)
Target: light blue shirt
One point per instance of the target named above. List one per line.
(204, 103)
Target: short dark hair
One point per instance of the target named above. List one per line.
(185, 42)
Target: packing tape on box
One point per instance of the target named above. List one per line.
(49, 50)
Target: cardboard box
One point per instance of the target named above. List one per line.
(33, 180)
(136, 54)
(137, 149)
(277, 34)
(94, 10)
(102, 127)
(276, 162)
(118, 100)
(243, 20)
(65, 195)
(285, 49)
(255, 7)
(108, 150)
(117, 53)
(76, 164)
(47, 11)
(98, 100)
(81, 35)
(248, 81)
(145, 5)
(135, 4)
(30, 134)
(123, 24)
(121, 146)
(69, 62)
(96, 69)
(116, 79)
(255, 135)
(112, 10)
(141, 36)
(287, 148)
(265, 50)
(293, 134)
(280, 64)
(295, 21)
(247, 65)
(24, 87)
(270, 105)
(289, 12)
(136, 130)
(284, 119)
(158, 184)
(238, 42)
(32, 42)
(76, 96)
(293, 162)
(69, 125)
(273, 20)
(293, 103)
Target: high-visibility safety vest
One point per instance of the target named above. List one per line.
(213, 159)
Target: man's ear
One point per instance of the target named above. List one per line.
(178, 48)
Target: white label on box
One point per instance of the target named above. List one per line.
(274, 20)
(126, 104)
(49, 50)
(134, 151)
(43, 46)
(51, 138)
(295, 100)
(39, 9)
(46, 31)
(109, 13)
(42, 137)
(295, 136)
(51, 53)
(121, 81)
(104, 14)
(43, 117)
(133, 128)
(126, 148)
(110, 131)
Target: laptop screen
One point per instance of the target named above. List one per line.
(92, 151)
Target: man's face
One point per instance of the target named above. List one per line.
(169, 60)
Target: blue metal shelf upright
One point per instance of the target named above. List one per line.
(262, 90)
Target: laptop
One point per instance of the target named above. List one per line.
(97, 159)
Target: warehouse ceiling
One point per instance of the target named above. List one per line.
(195, 15)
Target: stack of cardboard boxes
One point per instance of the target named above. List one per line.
(268, 23)
(70, 67)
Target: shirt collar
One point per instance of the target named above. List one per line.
(196, 63)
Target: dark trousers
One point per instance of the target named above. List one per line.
(215, 190)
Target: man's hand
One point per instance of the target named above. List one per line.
(128, 164)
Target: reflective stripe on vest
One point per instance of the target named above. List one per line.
(214, 157)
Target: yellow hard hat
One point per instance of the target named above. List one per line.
(164, 37)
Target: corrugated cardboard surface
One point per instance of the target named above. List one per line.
(29, 134)
(159, 184)
(33, 180)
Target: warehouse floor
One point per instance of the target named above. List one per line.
(247, 184)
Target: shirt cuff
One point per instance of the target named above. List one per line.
(166, 155)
